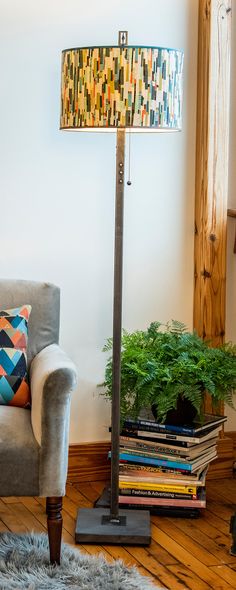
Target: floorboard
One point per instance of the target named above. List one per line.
(184, 554)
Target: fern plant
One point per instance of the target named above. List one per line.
(166, 363)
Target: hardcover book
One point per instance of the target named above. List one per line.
(210, 422)
(168, 456)
(132, 500)
(165, 447)
(156, 494)
(173, 438)
(191, 466)
(142, 475)
(142, 487)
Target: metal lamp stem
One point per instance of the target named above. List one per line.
(109, 524)
(117, 322)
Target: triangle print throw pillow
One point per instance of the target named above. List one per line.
(14, 388)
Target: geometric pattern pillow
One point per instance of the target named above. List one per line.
(14, 387)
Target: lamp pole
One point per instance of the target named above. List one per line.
(117, 322)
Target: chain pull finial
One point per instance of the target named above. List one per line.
(123, 38)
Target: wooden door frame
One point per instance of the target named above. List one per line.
(212, 160)
(212, 155)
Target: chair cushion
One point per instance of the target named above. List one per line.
(14, 388)
(19, 454)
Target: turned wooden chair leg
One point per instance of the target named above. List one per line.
(54, 520)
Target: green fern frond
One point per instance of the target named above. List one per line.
(166, 361)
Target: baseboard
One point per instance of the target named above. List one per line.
(222, 467)
(89, 462)
(232, 434)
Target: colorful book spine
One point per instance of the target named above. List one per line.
(154, 461)
(155, 494)
(127, 467)
(156, 427)
(126, 441)
(178, 489)
(147, 452)
(155, 437)
(132, 500)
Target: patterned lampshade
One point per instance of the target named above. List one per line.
(105, 88)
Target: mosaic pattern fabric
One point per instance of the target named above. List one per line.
(14, 388)
(109, 87)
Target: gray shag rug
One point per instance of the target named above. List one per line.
(24, 565)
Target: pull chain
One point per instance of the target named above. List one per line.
(129, 181)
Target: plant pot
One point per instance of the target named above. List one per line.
(184, 413)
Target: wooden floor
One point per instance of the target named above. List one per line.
(184, 554)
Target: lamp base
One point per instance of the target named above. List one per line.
(94, 525)
(104, 501)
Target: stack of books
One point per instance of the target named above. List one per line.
(163, 468)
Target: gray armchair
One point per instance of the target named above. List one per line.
(34, 443)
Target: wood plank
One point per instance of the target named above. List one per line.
(89, 462)
(10, 520)
(206, 537)
(219, 504)
(188, 577)
(222, 467)
(87, 490)
(210, 526)
(187, 542)
(232, 434)
(160, 572)
(188, 560)
(226, 574)
(79, 499)
(27, 518)
(161, 554)
(227, 493)
(10, 499)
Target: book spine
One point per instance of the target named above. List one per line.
(149, 446)
(155, 494)
(153, 461)
(153, 451)
(159, 468)
(132, 500)
(135, 434)
(171, 437)
(156, 427)
(126, 467)
(174, 489)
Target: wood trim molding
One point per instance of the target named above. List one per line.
(211, 184)
(223, 466)
(88, 461)
(232, 434)
(211, 187)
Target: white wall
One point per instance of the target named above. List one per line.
(57, 189)
(231, 257)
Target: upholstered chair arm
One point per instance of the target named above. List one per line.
(53, 377)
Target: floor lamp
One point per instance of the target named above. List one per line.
(116, 89)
